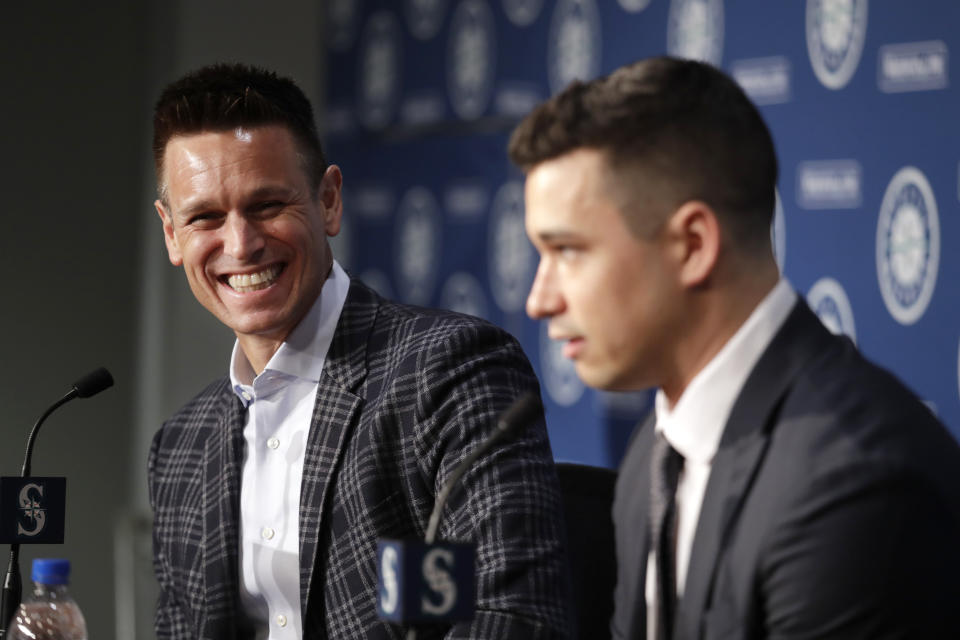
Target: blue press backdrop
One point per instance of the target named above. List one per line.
(422, 95)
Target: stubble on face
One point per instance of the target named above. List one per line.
(241, 217)
(604, 291)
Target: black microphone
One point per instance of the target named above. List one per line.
(33, 509)
(427, 581)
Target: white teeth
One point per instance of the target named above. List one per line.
(253, 281)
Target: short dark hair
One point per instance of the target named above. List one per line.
(690, 127)
(221, 97)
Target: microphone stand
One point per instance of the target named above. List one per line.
(522, 410)
(91, 384)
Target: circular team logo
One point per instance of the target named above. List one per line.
(471, 59)
(836, 30)
(695, 30)
(633, 6)
(558, 373)
(829, 301)
(379, 75)
(778, 234)
(908, 245)
(417, 247)
(522, 12)
(463, 293)
(424, 17)
(342, 16)
(573, 45)
(511, 258)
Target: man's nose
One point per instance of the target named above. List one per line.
(544, 299)
(242, 238)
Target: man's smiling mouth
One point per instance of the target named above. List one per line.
(246, 282)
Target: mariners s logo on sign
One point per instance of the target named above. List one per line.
(573, 46)
(836, 30)
(511, 258)
(829, 301)
(32, 510)
(471, 59)
(424, 17)
(417, 247)
(695, 30)
(522, 12)
(908, 245)
(379, 73)
(558, 373)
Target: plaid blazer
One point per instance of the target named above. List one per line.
(406, 393)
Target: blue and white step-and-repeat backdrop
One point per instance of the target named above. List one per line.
(421, 96)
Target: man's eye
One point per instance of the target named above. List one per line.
(268, 206)
(201, 218)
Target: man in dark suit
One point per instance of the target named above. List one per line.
(343, 414)
(784, 487)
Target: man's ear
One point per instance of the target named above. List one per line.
(173, 247)
(695, 231)
(331, 195)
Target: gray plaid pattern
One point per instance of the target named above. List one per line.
(405, 394)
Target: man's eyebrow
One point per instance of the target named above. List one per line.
(558, 235)
(266, 191)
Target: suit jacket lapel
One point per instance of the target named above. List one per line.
(742, 447)
(222, 468)
(335, 413)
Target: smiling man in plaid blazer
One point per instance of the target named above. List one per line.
(343, 413)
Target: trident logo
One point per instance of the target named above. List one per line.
(30, 496)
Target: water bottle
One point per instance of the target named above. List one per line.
(50, 613)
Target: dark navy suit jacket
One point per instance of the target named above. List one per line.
(832, 508)
(405, 394)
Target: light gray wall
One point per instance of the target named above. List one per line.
(86, 277)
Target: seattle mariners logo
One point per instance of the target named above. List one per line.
(558, 373)
(463, 293)
(417, 247)
(908, 245)
(32, 509)
(522, 12)
(829, 301)
(379, 76)
(511, 257)
(472, 52)
(836, 30)
(341, 23)
(695, 30)
(424, 17)
(573, 45)
(778, 233)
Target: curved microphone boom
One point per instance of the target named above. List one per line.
(89, 385)
(523, 410)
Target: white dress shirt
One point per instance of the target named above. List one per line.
(695, 424)
(279, 405)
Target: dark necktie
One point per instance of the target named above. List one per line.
(665, 466)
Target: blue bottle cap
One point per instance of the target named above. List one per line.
(51, 571)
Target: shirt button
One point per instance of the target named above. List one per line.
(282, 620)
(273, 443)
(267, 533)
(246, 395)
